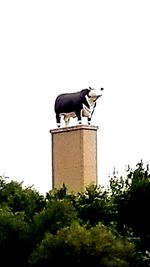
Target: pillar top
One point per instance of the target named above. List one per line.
(74, 128)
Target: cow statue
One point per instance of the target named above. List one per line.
(79, 104)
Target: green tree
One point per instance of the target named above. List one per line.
(93, 206)
(133, 207)
(77, 246)
(18, 206)
(55, 215)
(17, 198)
(14, 238)
(131, 197)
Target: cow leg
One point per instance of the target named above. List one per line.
(78, 114)
(66, 119)
(58, 120)
(66, 123)
(89, 121)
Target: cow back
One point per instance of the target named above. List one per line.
(70, 102)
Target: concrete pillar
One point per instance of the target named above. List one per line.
(74, 157)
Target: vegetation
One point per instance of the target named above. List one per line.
(98, 227)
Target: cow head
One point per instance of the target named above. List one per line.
(95, 93)
(91, 99)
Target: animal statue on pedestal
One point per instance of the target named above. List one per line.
(79, 104)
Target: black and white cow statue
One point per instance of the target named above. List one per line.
(79, 104)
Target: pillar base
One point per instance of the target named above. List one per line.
(74, 157)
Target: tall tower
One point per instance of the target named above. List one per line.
(74, 157)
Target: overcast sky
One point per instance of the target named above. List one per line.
(50, 47)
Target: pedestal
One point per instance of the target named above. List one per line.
(74, 157)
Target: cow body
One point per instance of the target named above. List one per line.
(79, 104)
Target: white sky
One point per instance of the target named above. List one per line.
(49, 47)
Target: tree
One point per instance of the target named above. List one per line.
(17, 198)
(14, 238)
(77, 246)
(56, 215)
(92, 206)
(133, 207)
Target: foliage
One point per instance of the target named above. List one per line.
(96, 227)
(18, 206)
(17, 198)
(133, 206)
(55, 215)
(92, 206)
(77, 246)
(14, 238)
(60, 193)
